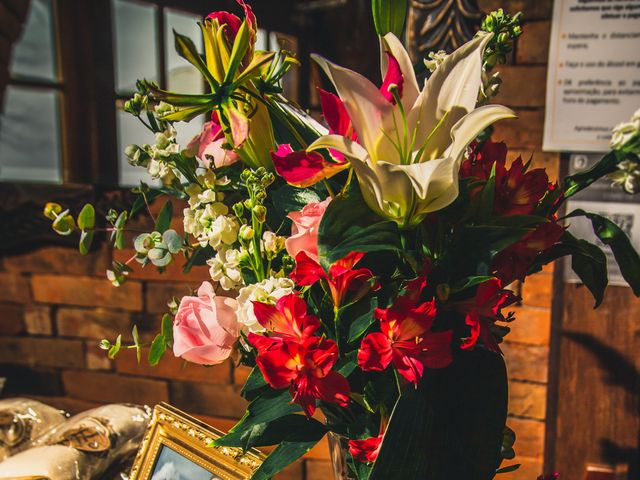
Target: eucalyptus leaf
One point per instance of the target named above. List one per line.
(87, 217)
(86, 239)
(157, 350)
(172, 240)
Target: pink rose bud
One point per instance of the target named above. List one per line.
(304, 232)
(205, 328)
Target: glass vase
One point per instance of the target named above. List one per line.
(339, 449)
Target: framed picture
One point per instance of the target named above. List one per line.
(175, 447)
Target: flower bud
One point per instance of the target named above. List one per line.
(246, 233)
(260, 212)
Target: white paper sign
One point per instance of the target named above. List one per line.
(611, 202)
(593, 81)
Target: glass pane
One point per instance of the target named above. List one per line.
(136, 39)
(34, 54)
(181, 75)
(30, 135)
(131, 130)
(262, 40)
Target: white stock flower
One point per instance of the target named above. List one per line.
(272, 244)
(267, 291)
(626, 136)
(224, 268)
(409, 153)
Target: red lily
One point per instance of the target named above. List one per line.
(406, 340)
(287, 318)
(513, 262)
(484, 310)
(302, 168)
(366, 451)
(393, 77)
(345, 283)
(305, 367)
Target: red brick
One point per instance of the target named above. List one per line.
(15, 288)
(214, 400)
(529, 437)
(526, 362)
(524, 132)
(537, 291)
(95, 323)
(531, 9)
(11, 319)
(173, 272)
(522, 86)
(111, 388)
(61, 260)
(533, 44)
(173, 368)
(527, 400)
(37, 319)
(85, 291)
(44, 352)
(158, 294)
(96, 357)
(531, 326)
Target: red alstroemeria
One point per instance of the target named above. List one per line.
(482, 158)
(345, 283)
(484, 310)
(406, 340)
(519, 191)
(303, 169)
(287, 318)
(305, 367)
(514, 262)
(366, 451)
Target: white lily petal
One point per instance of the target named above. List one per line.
(410, 90)
(449, 94)
(342, 144)
(469, 126)
(363, 101)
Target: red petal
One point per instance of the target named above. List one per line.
(303, 169)
(336, 115)
(393, 77)
(230, 21)
(307, 271)
(278, 364)
(365, 450)
(333, 388)
(437, 347)
(473, 320)
(375, 352)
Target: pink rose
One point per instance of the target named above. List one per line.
(209, 144)
(206, 327)
(304, 231)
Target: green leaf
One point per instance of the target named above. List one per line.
(581, 180)
(292, 199)
(115, 348)
(434, 434)
(389, 16)
(240, 46)
(185, 114)
(265, 408)
(164, 217)
(167, 329)
(136, 342)
(87, 217)
(255, 381)
(610, 234)
(508, 468)
(348, 225)
(487, 194)
(187, 50)
(284, 454)
(469, 282)
(360, 324)
(157, 350)
(86, 239)
(589, 262)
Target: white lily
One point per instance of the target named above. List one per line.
(410, 151)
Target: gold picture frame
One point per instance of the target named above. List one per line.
(174, 436)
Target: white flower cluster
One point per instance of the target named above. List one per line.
(434, 60)
(166, 146)
(225, 268)
(626, 136)
(207, 218)
(267, 291)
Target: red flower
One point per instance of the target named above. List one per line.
(392, 77)
(480, 162)
(304, 366)
(514, 262)
(302, 168)
(366, 451)
(518, 191)
(232, 23)
(484, 310)
(406, 341)
(336, 115)
(347, 285)
(287, 318)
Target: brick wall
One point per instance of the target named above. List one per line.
(55, 305)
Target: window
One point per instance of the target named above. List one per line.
(30, 124)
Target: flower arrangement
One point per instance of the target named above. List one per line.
(369, 262)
